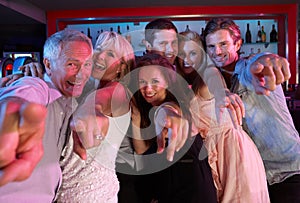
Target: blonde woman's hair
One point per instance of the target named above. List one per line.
(120, 45)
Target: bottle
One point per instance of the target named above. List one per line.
(258, 50)
(248, 34)
(128, 36)
(98, 33)
(258, 36)
(202, 32)
(89, 33)
(263, 34)
(187, 29)
(251, 52)
(273, 34)
(119, 30)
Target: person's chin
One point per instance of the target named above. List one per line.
(76, 92)
(219, 64)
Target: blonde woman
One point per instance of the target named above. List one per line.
(237, 167)
(95, 180)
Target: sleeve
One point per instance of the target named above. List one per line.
(28, 88)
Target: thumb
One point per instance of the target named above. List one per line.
(32, 114)
(9, 135)
(32, 125)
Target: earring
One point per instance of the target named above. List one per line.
(118, 75)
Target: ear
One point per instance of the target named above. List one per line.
(238, 44)
(47, 65)
(148, 46)
(122, 70)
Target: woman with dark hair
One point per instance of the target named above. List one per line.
(159, 96)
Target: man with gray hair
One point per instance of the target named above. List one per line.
(68, 64)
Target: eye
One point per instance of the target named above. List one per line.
(154, 81)
(193, 53)
(223, 44)
(73, 66)
(88, 65)
(162, 43)
(110, 54)
(142, 82)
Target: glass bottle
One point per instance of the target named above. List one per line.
(258, 36)
(119, 30)
(98, 33)
(128, 36)
(263, 34)
(248, 34)
(202, 32)
(187, 29)
(89, 33)
(273, 34)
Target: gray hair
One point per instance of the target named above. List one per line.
(55, 43)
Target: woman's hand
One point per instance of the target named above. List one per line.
(233, 103)
(170, 124)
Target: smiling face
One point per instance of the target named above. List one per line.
(152, 84)
(165, 43)
(221, 48)
(107, 64)
(191, 55)
(72, 69)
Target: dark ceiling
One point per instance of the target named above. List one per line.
(11, 17)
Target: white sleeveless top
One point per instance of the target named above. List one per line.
(94, 180)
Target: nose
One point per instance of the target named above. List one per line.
(79, 74)
(82, 71)
(187, 61)
(148, 87)
(101, 55)
(218, 50)
(169, 48)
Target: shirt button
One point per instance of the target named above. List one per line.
(61, 113)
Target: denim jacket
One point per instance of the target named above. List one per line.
(270, 125)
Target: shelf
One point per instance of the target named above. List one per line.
(253, 43)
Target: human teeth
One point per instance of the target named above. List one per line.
(75, 83)
(150, 95)
(99, 66)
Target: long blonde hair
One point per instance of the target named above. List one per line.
(121, 46)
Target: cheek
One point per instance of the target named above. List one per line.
(87, 72)
(158, 47)
(210, 51)
(97, 74)
(162, 89)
